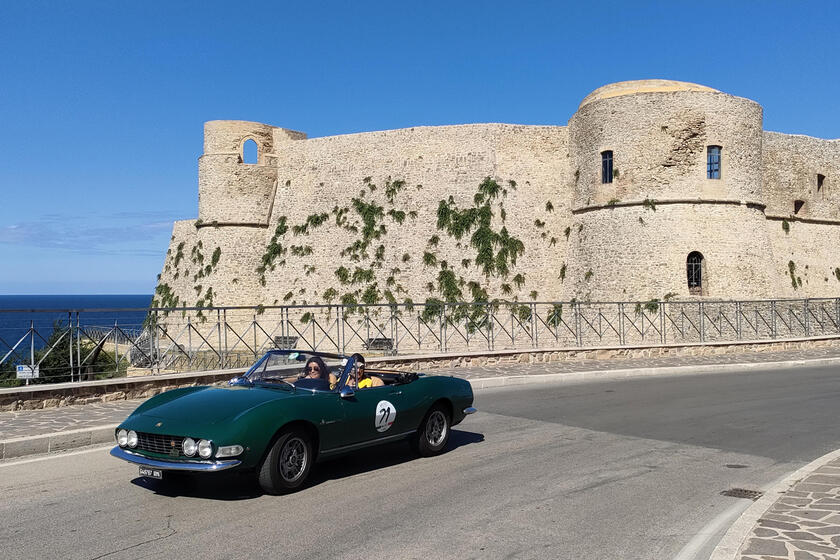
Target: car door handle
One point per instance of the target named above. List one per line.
(396, 393)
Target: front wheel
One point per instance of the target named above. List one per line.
(287, 465)
(433, 432)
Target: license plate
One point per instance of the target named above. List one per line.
(151, 473)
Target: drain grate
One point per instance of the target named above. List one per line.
(735, 466)
(742, 493)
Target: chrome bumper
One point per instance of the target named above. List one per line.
(470, 410)
(195, 466)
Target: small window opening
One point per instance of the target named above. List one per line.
(820, 181)
(797, 206)
(694, 270)
(250, 153)
(607, 167)
(713, 162)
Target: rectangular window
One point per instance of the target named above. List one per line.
(713, 162)
(607, 166)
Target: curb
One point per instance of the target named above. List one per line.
(16, 448)
(730, 544)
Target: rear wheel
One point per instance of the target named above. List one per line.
(433, 432)
(287, 465)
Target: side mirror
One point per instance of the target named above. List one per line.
(347, 392)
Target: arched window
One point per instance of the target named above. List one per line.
(694, 269)
(607, 167)
(250, 153)
(713, 162)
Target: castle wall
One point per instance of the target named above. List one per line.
(435, 163)
(357, 218)
(791, 164)
(814, 250)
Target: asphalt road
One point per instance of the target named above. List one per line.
(612, 469)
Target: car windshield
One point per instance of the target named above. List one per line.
(313, 371)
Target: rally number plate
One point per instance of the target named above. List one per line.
(151, 473)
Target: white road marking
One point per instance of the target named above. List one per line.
(13, 462)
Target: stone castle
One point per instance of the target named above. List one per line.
(654, 190)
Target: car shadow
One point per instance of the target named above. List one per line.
(380, 457)
(231, 486)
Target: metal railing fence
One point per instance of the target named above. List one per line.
(193, 339)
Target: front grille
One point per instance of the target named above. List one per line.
(156, 443)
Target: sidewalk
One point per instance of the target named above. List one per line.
(798, 519)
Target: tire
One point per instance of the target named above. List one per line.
(433, 432)
(286, 467)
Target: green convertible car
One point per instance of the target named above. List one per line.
(291, 409)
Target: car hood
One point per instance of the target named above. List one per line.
(212, 405)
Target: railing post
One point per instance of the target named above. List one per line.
(70, 341)
(738, 320)
(621, 337)
(224, 327)
(254, 328)
(31, 347)
(190, 352)
(491, 328)
(367, 324)
(773, 321)
(443, 340)
(341, 339)
(702, 326)
(535, 339)
(578, 335)
(219, 338)
(662, 322)
(394, 330)
(116, 351)
(152, 341)
(807, 321)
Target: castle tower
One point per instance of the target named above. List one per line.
(666, 194)
(232, 191)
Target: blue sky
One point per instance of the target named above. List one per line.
(102, 103)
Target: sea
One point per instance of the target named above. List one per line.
(18, 313)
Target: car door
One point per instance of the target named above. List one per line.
(327, 413)
(375, 413)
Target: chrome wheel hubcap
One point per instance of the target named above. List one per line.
(436, 428)
(293, 459)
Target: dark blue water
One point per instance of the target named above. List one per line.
(18, 312)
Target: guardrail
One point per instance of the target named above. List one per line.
(191, 339)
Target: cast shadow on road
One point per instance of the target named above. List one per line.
(243, 486)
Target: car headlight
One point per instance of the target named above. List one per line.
(189, 447)
(132, 438)
(205, 449)
(122, 437)
(230, 451)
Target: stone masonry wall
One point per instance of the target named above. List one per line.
(791, 165)
(408, 215)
